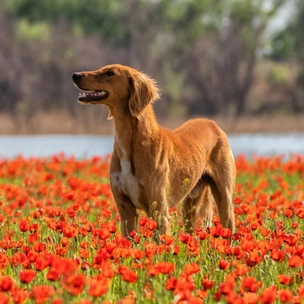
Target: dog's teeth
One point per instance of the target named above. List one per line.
(92, 93)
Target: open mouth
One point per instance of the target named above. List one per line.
(92, 96)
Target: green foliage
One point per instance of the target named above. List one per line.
(203, 52)
(279, 75)
(300, 78)
(283, 46)
(244, 12)
(289, 43)
(39, 31)
(190, 19)
(93, 16)
(111, 19)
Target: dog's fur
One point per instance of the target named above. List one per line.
(153, 168)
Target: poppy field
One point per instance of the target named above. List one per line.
(60, 239)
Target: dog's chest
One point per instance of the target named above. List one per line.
(127, 182)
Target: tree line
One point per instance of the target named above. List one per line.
(204, 53)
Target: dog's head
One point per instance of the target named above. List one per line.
(117, 86)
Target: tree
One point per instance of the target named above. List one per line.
(288, 46)
(203, 52)
(224, 60)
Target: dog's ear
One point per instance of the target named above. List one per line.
(143, 91)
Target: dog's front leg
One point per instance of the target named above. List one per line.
(159, 211)
(127, 211)
(128, 214)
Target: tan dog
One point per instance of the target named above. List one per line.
(153, 168)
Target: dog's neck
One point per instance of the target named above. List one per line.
(128, 128)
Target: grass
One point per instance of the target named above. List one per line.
(60, 239)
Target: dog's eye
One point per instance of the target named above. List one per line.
(109, 73)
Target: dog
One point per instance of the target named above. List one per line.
(153, 168)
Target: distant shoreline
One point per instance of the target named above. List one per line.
(83, 146)
(63, 123)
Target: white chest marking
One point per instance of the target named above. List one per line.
(126, 181)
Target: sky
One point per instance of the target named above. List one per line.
(283, 16)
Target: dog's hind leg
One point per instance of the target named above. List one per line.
(223, 199)
(196, 205)
(189, 211)
(222, 189)
(206, 207)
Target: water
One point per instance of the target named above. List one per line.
(85, 145)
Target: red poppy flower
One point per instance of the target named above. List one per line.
(64, 266)
(23, 225)
(285, 295)
(184, 237)
(4, 299)
(191, 269)
(69, 231)
(127, 274)
(151, 225)
(301, 291)
(88, 301)
(27, 275)
(32, 256)
(3, 260)
(74, 283)
(165, 267)
(207, 284)
(171, 283)
(224, 264)
(64, 241)
(277, 255)
(286, 280)
(217, 296)
(98, 286)
(250, 298)
(203, 294)
(143, 221)
(57, 301)
(41, 293)
(167, 239)
(184, 287)
(241, 270)
(19, 295)
(254, 258)
(104, 234)
(153, 271)
(41, 263)
(176, 250)
(268, 295)
(295, 261)
(6, 283)
(250, 284)
(150, 249)
(53, 274)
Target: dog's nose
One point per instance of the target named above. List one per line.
(76, 76)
